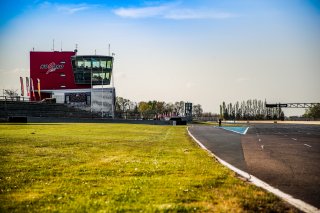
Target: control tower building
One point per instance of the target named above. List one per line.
(83, 81)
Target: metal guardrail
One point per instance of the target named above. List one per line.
(15, 98)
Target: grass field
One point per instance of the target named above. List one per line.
(117, 168)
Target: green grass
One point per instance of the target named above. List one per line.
(117, 168)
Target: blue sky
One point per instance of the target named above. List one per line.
(203, 51)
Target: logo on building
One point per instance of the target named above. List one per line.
(51, 67)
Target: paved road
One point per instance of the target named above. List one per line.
(286, 156)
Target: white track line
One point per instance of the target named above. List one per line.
(307, 145)
(301, 205)
(294, 139)
(245, 131)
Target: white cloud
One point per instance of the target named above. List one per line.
(170, 11)
(181, 14)
(142, 12)
(44, 5)
(66, 8)
(71, 9)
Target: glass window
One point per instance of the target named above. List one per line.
(97, 76)
(95, 63)
(103, 63)
(99, 66)
(79, 77)
(87, 77)
(87, 63)
(80, 63)
(109, 64)
(107, 77)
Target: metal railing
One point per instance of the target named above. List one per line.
(15, 98)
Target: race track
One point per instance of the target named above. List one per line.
(286, 156)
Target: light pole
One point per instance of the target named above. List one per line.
(102, 94)
(113, 89)
(112, 70)
(91, 92)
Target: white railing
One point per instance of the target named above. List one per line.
(15, 98)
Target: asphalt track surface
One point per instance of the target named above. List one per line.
(286, 156)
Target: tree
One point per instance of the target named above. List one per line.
(123, 106)
(282, 115)
(182, 105)
(120, 104)
(250, 109)
(313, 112)
(197, 110)
(11, 93)
(225, 111)
(237, 111)
(179, 108)
(153, 109)
(143, 108)
(168, 109)
(132, 106)
(160, 107)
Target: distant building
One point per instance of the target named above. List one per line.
(74, 79)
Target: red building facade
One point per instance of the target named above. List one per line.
(63, 75)
(54, 70)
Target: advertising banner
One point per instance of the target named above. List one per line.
(32, 88)
(27, 86)
(39, 92)
(22, 88)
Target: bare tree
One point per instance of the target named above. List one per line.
(197, 110)
(179, 108)
(10, 93)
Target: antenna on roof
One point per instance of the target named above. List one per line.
(109, 49)
(52, 44)
(76, 50)
(61, 46)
